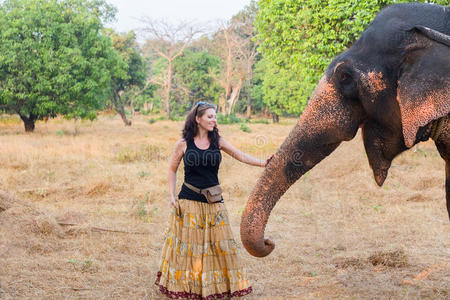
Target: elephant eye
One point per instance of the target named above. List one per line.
(345, 78)
(347, 84)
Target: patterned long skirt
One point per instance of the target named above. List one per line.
(200, 258)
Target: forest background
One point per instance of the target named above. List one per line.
(58, 58)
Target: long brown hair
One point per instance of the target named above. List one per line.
(190, 129)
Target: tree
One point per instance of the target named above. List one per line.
(128, 71)
(246, 46)
(235, 45)
(169, 41)
(195, 77)
(298, 39)
(232, 77)
(223, 47)
(145, 98)
(53, 58)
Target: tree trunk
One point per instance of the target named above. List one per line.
(118, 105)
(124, 118)
(249, 91)
(229, 71)
(169, 87)
(133, 112)
(234, 96)
(28, 122)
(222, 104)
(275, 118)
(249, 106)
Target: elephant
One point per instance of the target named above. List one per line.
(393, 83)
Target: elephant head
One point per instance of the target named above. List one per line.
(394, 83)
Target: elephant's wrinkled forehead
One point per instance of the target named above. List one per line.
(325, 90)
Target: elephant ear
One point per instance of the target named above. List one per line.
(423, 92)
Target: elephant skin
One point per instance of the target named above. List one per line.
(394, 83)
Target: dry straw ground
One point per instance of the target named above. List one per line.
(84, 207)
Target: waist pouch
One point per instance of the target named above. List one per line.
(212, 194)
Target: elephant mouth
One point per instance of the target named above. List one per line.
(331, 145)
(327, 149)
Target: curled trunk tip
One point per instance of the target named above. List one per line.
(252, 233)
(259, 249)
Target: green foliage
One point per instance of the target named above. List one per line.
(228, 119)
(128, 69)
(260, 121)
(9, 119)
(244, 127)
(194, 80)
(128, 50)
(143, 174)
(159, 118)
(195, 71)
(283, 91)
(142, 211)
(53, 58)
(87, 265)
(147, 95)
(233, 119)
(60, 133)
(151, 94)
(298, 39)
(377, 207)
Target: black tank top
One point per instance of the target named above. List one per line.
(200, 170)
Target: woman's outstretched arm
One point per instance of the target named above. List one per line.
(241, 156)
(178, 152)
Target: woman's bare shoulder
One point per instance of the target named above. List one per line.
(223, 143)
(181, 144)
(222, 139)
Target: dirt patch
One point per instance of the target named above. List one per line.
(72, 217)
(417, 198)
(6, 201)
(99, 188)
(28, 221)
(352, 262)
(18, 216)
(393, 259)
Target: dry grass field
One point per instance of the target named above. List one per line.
(83, 208)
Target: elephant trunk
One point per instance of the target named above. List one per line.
(294, 158)
(323, 125)
(268, 190)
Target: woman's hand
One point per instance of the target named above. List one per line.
(173, 202)
(268, 160)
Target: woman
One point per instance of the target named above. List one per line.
(200, 259)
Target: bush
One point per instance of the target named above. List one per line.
(139, 153)
(228, 119)
(10, 119)
(157, 118)
(177, 118)
(260, 121)
(245, 128)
